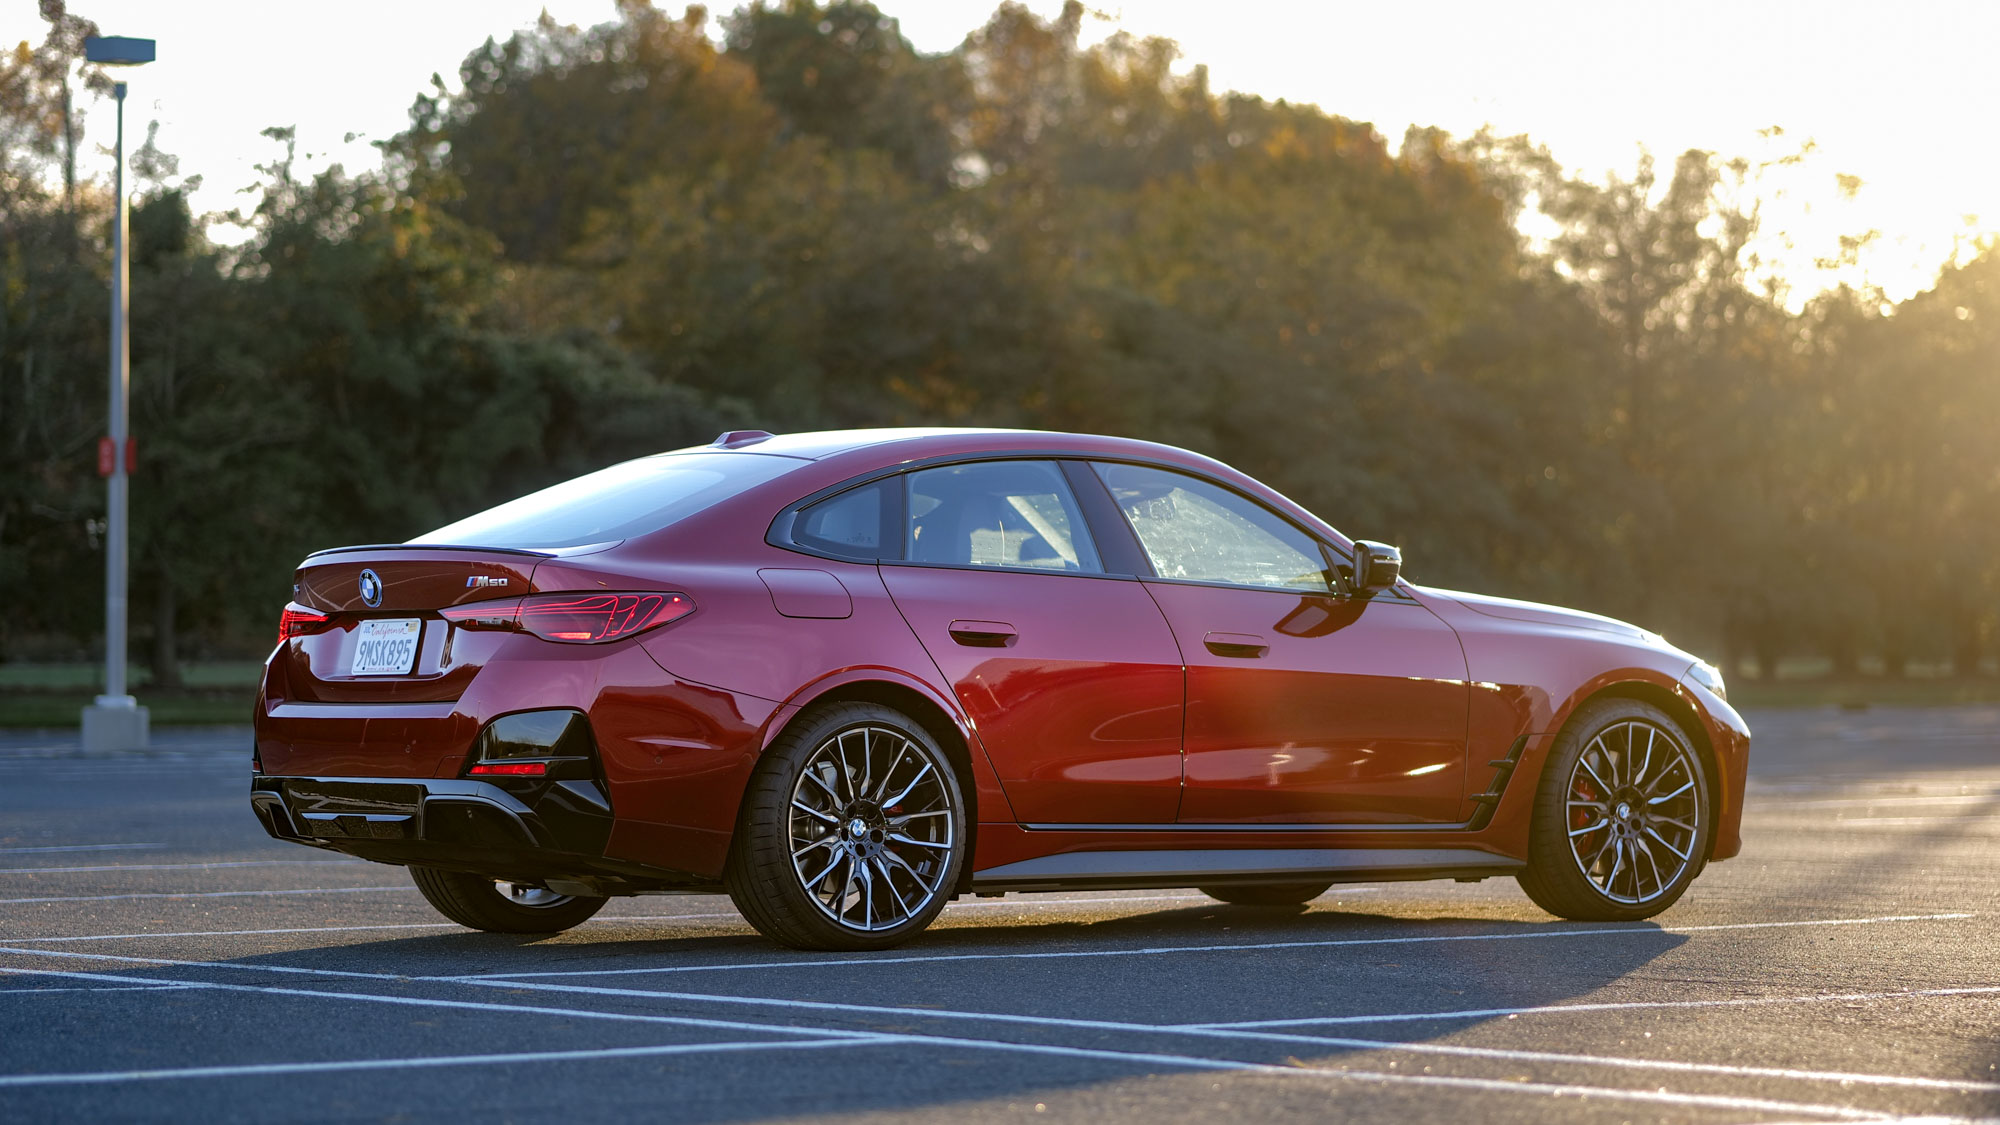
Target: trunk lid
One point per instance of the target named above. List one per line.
(395, 592)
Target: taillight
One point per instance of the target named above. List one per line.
(297, 621)
(585, 618)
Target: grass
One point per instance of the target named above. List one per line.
(54, 695)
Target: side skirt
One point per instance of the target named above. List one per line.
(1138, 870)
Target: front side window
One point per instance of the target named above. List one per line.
(997, 513)
(1201, 532)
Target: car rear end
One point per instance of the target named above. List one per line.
(431, 703)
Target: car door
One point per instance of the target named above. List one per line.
(1304, 706)
(1069, 674)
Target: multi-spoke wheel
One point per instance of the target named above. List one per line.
(484, 903)
(852, 833)
(1621, 818)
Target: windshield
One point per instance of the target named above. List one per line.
(625, 500)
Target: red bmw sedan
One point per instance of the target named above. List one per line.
(846, 677)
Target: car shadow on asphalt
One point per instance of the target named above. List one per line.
(1201, 964)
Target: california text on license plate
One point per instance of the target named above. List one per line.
(386, 648)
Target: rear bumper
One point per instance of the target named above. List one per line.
(524, 830)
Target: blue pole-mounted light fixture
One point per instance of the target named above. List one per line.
(117, 50)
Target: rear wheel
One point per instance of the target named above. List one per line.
(1267, 894)
(1622, 820)
(482, 903)
(852, 833)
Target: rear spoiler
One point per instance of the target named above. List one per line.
(549, 554)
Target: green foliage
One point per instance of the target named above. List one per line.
(625, 238)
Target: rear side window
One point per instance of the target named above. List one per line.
(997, 513)
(854, 524)
(633, 498)
(1201, 532)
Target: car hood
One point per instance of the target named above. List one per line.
(1541, 614)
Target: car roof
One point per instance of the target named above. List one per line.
(889, 445)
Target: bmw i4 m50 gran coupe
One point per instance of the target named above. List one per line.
(848, 676)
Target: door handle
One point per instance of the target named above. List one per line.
(982, 634)
(1240, 645)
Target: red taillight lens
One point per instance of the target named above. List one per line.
(586, 618)
(511, 769)
(297, 621)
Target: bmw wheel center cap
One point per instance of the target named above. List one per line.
(371, 589)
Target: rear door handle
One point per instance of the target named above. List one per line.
(1241, 645)
(982, 634)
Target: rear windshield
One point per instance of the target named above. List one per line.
(625, 500)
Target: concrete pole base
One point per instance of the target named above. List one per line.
(115, 722)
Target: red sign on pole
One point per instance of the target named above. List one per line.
(107, 457)
(131, 455)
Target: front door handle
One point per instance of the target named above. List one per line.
(1241, 645)
(982, 634)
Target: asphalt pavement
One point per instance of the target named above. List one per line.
(161, 959)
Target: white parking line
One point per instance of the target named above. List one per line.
(1619, 1006)
(266, 1069)
(205, 894)
(1656, 1096)
(113, 988)
(602, 919)
(83, 848)
(459, 1005)
(1251, 947)
(1238, 1033)
(183, 866)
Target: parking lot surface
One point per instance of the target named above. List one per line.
(160, 959)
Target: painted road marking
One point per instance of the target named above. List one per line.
(601, 919)
(1237, 1033)
(184, 866)
(205, 894)
(83, 848)
(266, 1069)
(1160, 950)
(1657, 1096)
(1613, 1006)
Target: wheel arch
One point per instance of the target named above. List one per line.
(1684, 716)
(927, 712)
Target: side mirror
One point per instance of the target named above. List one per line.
(1376, 566)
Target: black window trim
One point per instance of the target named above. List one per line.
(1135, 566)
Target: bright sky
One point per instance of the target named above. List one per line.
(1898, 94)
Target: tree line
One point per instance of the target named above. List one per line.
(625, 238)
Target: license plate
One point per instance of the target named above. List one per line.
(386, 648)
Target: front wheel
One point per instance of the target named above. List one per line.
(1267, 894)
(482, 903)
(852, 833)
(1622, 820)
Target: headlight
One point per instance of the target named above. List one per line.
(1710, 677)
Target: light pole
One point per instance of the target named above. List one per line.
(115, 721)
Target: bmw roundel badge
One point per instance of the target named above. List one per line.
(371, 589)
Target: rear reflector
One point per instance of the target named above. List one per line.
(512, 769)
(297, 621)
(585, 618)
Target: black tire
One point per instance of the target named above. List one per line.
(478, 902)
(1267, 894)
(1656, 829)
(915, 845)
